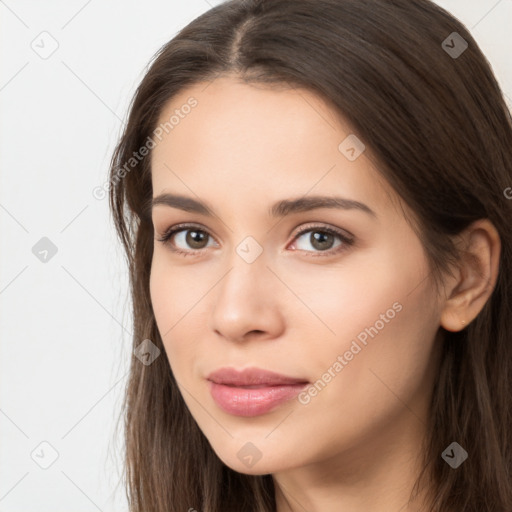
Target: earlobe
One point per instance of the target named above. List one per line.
(453, 314)
(479, 265)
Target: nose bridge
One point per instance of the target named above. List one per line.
(249, 250)
(248, 272)
(246, 299)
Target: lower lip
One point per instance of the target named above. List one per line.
(252, 402)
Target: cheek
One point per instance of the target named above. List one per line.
(174, 296)
(378, 300)
(384, 323)
(372, 286)
(387, 366)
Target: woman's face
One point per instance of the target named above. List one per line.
(336, 296)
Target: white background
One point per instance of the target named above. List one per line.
(66, 324)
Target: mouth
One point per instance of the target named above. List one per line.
(252, 391)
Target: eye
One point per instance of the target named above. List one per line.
(185, 234)
(322, 239)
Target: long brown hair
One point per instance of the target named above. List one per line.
(437, 126)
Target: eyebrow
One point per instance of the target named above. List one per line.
(279, 209)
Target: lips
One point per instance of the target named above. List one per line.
(252, 391)
(255, 377)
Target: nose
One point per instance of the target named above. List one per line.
(247, 302)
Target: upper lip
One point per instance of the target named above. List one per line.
(251, 377)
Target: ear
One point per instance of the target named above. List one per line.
(476, 275)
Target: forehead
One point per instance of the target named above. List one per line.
(255, 142)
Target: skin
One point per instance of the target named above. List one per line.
(356, 444)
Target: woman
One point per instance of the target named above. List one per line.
(313, 200)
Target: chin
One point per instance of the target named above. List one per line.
(245, 458)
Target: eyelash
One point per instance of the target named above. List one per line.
(347, 242)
